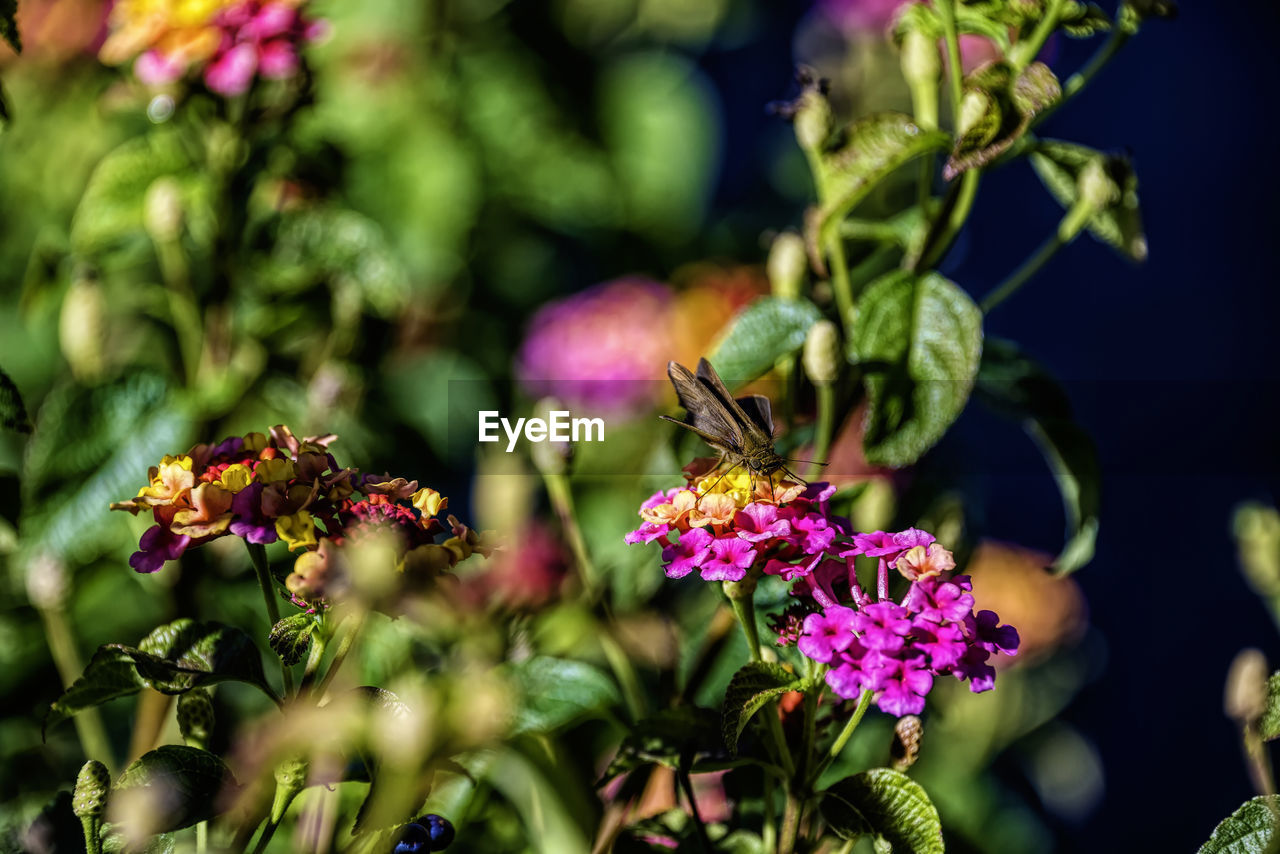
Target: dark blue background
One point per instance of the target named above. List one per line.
(1172, 365)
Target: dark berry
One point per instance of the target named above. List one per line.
(413, 839)
(440, 830)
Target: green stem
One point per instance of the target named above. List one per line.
(1025, 51)
(1078, 81)
(1071, 225)
(562, 501)
(268, 830)
(258, 556)
(92, 826)
(183, 308)
(344, 648)
(790, 825)
(847, 848)
(687, 785)
(62, 646)
(744, 610)
(632, 693)
(313, 662)
(202, 837)
(810, 730)
(955, 72)
(864, 702)
(840, 283)
(769, 830)
(826, 426)
(951, 220)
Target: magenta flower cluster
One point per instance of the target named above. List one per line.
(896, 649)
(893, 649)
(787, 529)
(250, 39)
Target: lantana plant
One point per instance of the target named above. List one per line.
(855, 647)
(364, 541)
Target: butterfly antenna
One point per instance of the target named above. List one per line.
(810, 462)
(720, 478)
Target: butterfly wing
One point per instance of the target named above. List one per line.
(707, 413)
(758, 409)
(757, 424)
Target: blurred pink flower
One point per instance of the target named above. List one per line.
(606, 347)
(862, 15)
(875, 18)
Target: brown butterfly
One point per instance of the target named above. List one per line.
(741, 429)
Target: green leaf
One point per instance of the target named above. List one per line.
(672, 737)
(9, 24)
(872, 149)
(13, 414)
(765, 331)
(172, 659)
(1119, 225)
(919, 341)
(341, 248)
(1249, 830)
(175, 786)
(1074, 460)
(1017, 386)
(185, 654)
(109, 674)
(749, 690)
(999, 105)
(1082, 20)
(886, 803)
(92, 446)
(112, 210)
(1269, 726)
(114, 842)
(291, 637)
(559, 691)
(970, 20)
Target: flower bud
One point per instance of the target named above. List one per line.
(1097, 189)
(46, 581)
(821, 357)
(921, 60)
(162, 209)
(811, 114)
(82, 327)
(1257, 530)
(905, 749)
(92, 785)
(788, 263)
(291, 778)
(973, 109)
(1246, 695)
(736, 591)
(195, 717)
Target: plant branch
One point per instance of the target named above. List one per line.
(356, 621)
(1068, 229)
(864, 702)
(955, 71)
(258, 556)
(744, 610)
(1024, 52)
(686, 784)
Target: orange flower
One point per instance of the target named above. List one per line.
(209, 513)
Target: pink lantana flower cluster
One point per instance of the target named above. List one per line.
(274, 487)
(229, 42)
(728, 525)
(722, 525)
